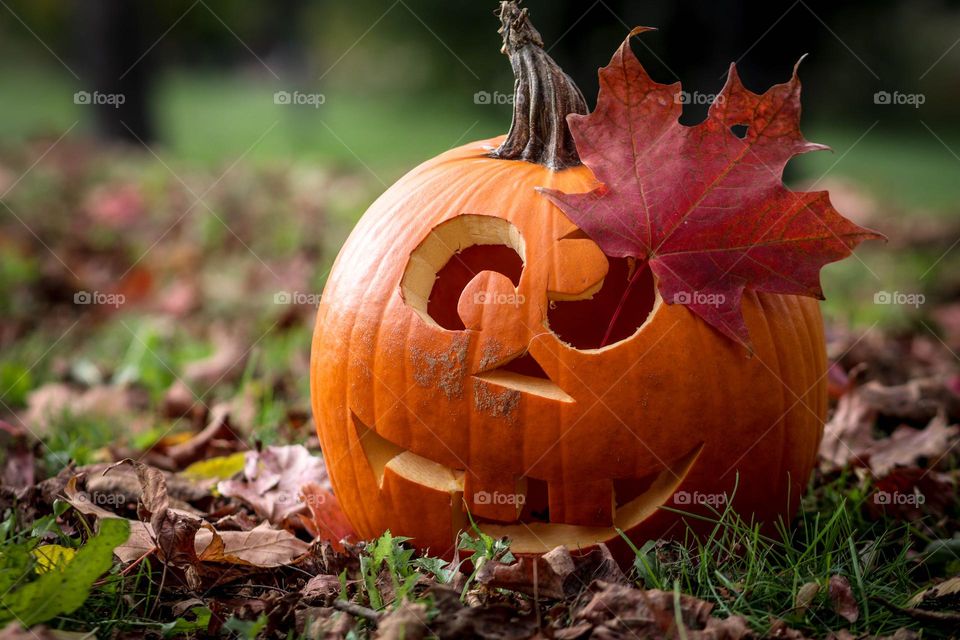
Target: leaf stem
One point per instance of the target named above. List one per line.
(623, 301)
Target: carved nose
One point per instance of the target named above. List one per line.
(523, 373)
(491, 303)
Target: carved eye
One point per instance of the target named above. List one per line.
(596, 300)
(451, 256)
(614, 313)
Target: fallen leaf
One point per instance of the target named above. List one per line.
(55, 593)
(848, 438)
(703, 209)
(321, 587)
(848, 434)
(52, 556)
(943, 595)
(219, 468)
(946, 619)
(406, 622)
(616, 610)
(325, 519)
(260, 547)
(918, 401)
(139, 542)
(554, 575)
(495, 621)
(805, 596)
(842, 599)
(218, 438)
(911, 493)
(273, 479)
(47, 405)
(906, 445)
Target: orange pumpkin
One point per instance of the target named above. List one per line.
(459, 361)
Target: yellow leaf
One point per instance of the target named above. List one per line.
(52, 556)
(217, 468)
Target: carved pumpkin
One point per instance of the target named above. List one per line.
(459, 363)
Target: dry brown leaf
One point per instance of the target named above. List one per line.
(218, 438)
(406, 622)
(805, 596)
(848, 438)
(47, 404)
(261, 547)
(918, 400)
(273, 479)
(320, 588)
(616, 610)
(141, 540)
(554, 575)
(943, 595)
(906, 445)
(842, 599)
(849, 432)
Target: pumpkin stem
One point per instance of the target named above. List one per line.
(543, 97)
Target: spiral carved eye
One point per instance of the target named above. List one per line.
(452, 255)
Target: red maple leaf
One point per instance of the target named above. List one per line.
(704, 209)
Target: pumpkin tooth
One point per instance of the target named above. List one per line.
(582, 503)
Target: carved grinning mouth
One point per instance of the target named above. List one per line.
(633, 499)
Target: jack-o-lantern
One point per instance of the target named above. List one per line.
(460, 367)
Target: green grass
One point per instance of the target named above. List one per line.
(747, 573)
